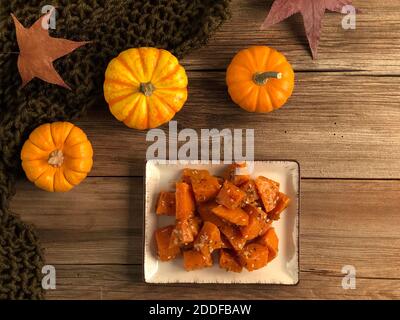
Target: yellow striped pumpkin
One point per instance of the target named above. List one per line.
(145, 87)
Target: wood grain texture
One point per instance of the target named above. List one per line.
(337, 125)
(94, 237)
(124, 282)
(373, 46)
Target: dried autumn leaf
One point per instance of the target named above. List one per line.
(312, 11)
(38, 51)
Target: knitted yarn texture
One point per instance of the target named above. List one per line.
(113, 26)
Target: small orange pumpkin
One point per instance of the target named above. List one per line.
(57, 156)
(260, 79)
(145, 87)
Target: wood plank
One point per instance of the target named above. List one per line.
(341, 223)
(100, 221)
(373, 46)
(337, 125)
(351, 223)
(125, 282)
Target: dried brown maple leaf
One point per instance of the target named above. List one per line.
(38, 51)
(312, 11)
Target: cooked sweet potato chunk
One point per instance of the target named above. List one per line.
(220, 180)
(271, 241)
(165, 251)
(236, 216)
(229, 262)
(234, 236)
(282, 204)
(182, 234)
(253, 256)
(225, 244)
(257, 223)
(230, 195)
(166, 204)
(185, 205)
(205, 186)
(206, 214)
(195, 225)
(175, 240)
(265, 227)
(233, 174)
(251, 193)
(185, 231)
(193, 260)
(268, 191)
(186, 174)
(208, 239)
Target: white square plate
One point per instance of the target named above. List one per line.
(284, 269)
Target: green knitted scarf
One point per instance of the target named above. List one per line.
(112, 26)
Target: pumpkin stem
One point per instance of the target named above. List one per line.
(56, 158)
(261, 78)
(147, 88)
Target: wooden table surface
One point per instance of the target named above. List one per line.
(342, 124)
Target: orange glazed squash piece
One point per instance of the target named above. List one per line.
(252, 196)
(193, 259)
(220, 180)
(230, 196)
(265, 227)
(234, 236)
(166, 204)
(253, 256)
(257, 223)
(225, 244)
(185, 231)
(208, 239)
(186, 174)
(185, 205)
(165, 251)
(231, 175)
(195, 225)
(236, 216)
(268, 190)
(205, 186)
(271, 241)
(182, 234)
(206, 214)
(229, 262)
(174, 239)
(282, 204)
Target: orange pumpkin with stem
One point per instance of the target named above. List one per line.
(260, 79)
(145, 87)
(57, 156)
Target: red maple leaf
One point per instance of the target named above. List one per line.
(312, 11)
